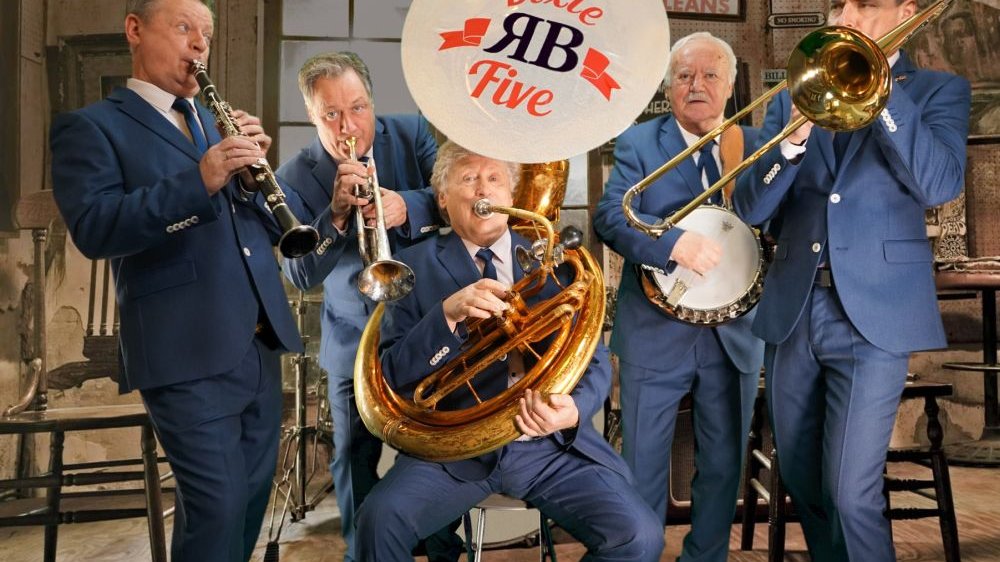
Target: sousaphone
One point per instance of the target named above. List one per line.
(532, 83)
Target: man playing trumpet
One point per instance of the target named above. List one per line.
(399, 150)
(560, 465)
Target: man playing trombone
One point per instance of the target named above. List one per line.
(851, 291)
(662, 358)
(399, 150)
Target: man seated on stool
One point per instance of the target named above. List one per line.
(561, 465)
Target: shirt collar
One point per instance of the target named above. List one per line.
(691, 138)
(156, 97)
(501, 248)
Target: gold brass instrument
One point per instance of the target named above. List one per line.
(383, 278)
(297, 239)
(570, 320)
(838, 78)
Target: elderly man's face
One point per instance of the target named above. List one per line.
(700, 85)
(163, 47)
(473, 178)
(874, 18)
(341, 108)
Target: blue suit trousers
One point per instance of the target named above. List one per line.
(592, 502)
(833, 398)
(723, 404)
(221, 436)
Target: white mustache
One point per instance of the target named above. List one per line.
(696, 97)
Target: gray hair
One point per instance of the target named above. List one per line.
(331, 65)
(701, 36)
(143, 9)
(449, 155)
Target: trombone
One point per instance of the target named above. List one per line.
(383, 279)
(838, 78)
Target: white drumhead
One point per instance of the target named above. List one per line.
(530, 80)
(736, 272)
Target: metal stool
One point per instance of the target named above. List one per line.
(500, 502)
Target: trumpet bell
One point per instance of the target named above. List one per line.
(386, 280)
(838, 78)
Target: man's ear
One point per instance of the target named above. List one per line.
(909, 8)
(133, 25)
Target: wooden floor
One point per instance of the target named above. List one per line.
(317, 538)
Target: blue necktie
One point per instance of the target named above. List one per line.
(489, 270)
(706, 163)
(197, 136)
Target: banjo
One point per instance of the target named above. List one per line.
(726, 292)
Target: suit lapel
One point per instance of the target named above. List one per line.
(672, 144)
(382, 151)
(146, 115)
(455, 259)
(324, 171)
(824, 142)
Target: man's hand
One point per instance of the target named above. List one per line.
(393, 209)
(696, 252)
(351, 176)
(481, 299)
(251, 127)
(800, 135)
(540, 416)
(224, 159)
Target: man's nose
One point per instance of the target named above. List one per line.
(849, 16)
(198, 42)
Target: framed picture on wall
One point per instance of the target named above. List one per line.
(966, 41)
(706, 9)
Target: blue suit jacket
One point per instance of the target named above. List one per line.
(414, 331)
(404, 152)
(127, 183)
(638, 151)
(870, 208)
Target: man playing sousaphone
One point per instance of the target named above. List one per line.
(561, 465)
(662, 359)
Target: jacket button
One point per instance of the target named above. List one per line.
(835, 198)
(246, 252)
(816, 247)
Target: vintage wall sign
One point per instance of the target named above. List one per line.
(533, 80)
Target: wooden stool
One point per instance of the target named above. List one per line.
(780, 510)
(500, 502)
(985, 451)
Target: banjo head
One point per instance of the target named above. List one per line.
(726, 292)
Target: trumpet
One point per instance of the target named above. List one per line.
(838, 78)
(297, 239)
(383, 279)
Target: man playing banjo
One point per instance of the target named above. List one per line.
(663, 358)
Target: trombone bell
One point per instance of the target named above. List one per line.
(838, 78)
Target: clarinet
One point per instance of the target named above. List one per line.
(297, 239)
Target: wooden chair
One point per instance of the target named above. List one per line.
(933, 457)
(31, 415)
